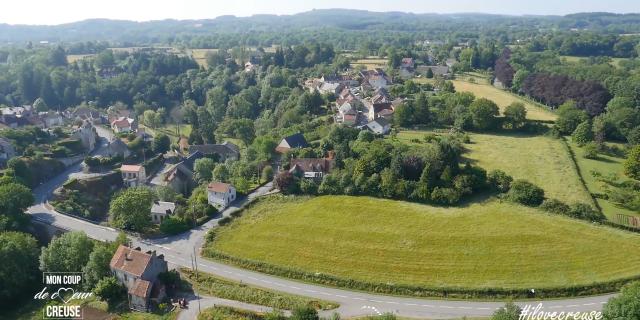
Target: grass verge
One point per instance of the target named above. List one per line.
(226, 289)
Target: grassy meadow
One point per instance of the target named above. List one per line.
(481, 89)
(542, 160)
(605, 165)
(489, 244)
(574, 59)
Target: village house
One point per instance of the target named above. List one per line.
(117, 148)
(377, 110)
(86, 134)
(85, 113)
(345, 96)
(224, 151)
(407, 68)
(7, 151)
(344, 80)
(407, 63)
(375, 79)
(311, 168)
(442, 71)
(179, 176)
(50, 119)
(138, 272)
(124, 125)
(160, 210)
(292, 142)
(330, 88)
(379, 126)
(220, 195)
(133, 175)
(347, 114)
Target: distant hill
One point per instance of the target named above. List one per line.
(340, 19)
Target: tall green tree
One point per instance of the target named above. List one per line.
(15, 198)
(483, 114)
(67, 253)
(131, 209)
(19, 268)
(98, 266)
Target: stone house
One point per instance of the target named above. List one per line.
(138, 271)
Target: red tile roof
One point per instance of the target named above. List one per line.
(130, 168)
(129, 260)
(121, 122)
(219, 187)
(141, 288)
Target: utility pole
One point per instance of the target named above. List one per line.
(195, 263)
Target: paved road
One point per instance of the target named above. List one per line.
(179, 249)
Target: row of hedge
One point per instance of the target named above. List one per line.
(420, 291)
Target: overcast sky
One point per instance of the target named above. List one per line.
(63, 11)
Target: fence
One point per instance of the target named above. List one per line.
(628, 221)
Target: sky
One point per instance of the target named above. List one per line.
(50, 12)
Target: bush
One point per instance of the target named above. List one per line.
(173, 225)
(555, 206)
(526, 193)
(583, 134)
(445, 195)
(224, 221)
(590, 150)
(585, 212)
(304, 313)
(499, 180)
(632, 164)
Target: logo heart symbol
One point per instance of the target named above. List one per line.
(65, 291)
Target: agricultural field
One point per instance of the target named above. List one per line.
(370, 63)
(605, 165)
(488, 244)
(503, 99)
(542, 160)
(71, 58)
(614, 61)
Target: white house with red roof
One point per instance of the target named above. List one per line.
(133, 175)
(220, 194)
(124, 125)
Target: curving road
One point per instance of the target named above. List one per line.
(179, 249)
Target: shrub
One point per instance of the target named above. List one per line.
(632, 164)
(526, 193)
(173, 225)
(583, 133)
(585, 212)
(445, 195)
(224, 221)
(309, 186)
(510, 311)
(304, 313)
(554, 206)
(499, 180)
(590, 150)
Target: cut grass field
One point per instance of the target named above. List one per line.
(370, 62)
(484, 245)
(542, 160)
(605, 165)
